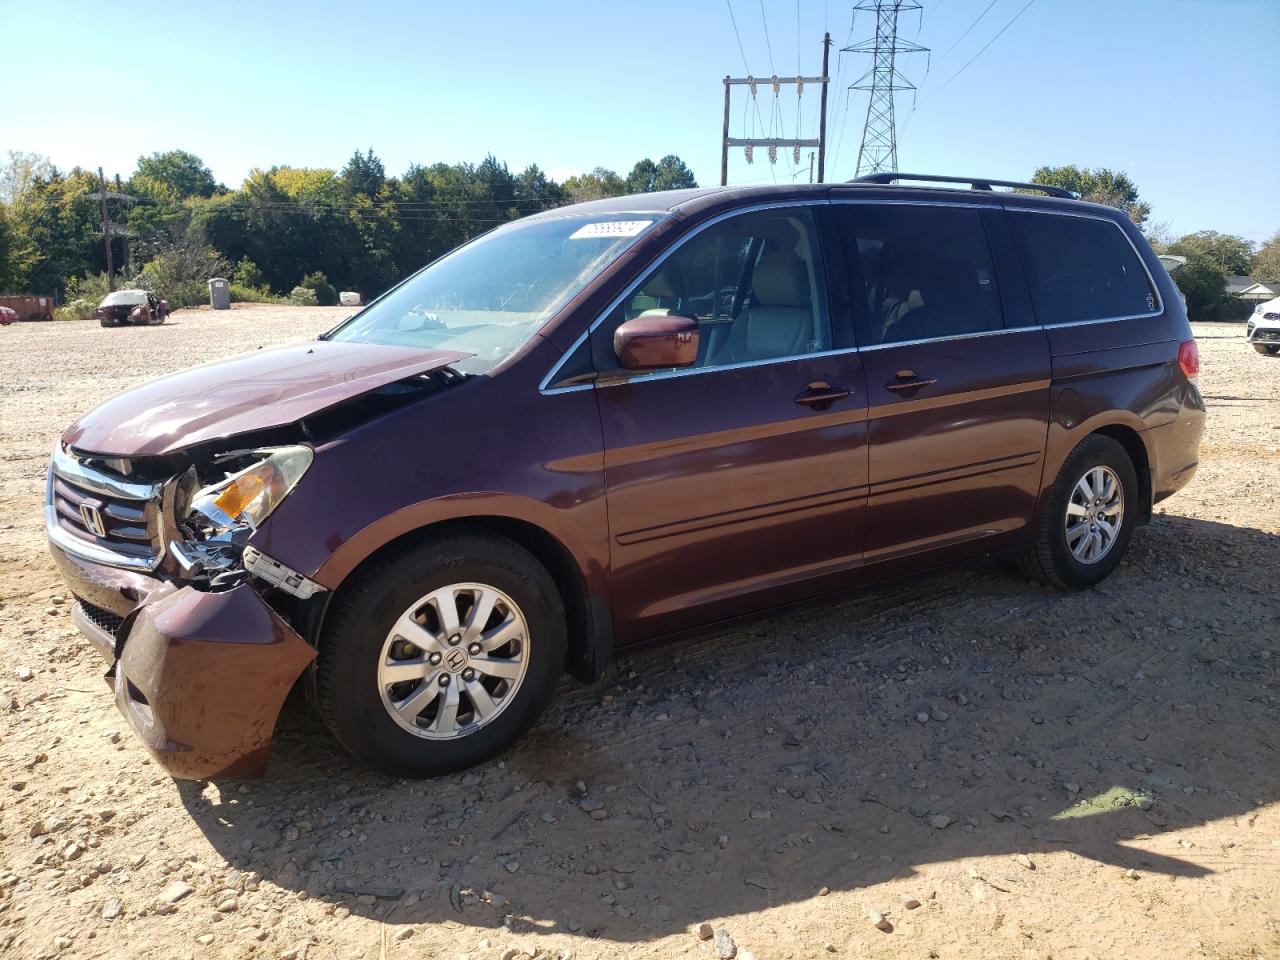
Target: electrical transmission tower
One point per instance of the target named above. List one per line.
(879, 148)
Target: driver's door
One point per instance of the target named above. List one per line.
(740, 482)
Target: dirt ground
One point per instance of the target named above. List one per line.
(1000, 770)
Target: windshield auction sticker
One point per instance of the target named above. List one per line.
(610, 228)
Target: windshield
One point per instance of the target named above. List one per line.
(487, 298)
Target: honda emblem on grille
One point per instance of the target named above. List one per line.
(92, 518)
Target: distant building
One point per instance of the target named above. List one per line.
(1253, 291)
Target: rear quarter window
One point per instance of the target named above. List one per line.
(1081, 269)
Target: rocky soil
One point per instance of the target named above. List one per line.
(967, 766)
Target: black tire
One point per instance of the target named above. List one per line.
(1268, 349)
(348, 697)
(1050, 559)
(107, 323)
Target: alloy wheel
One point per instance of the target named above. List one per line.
(453, 661)
(1095, 514)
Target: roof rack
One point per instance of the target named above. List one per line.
(975, 183)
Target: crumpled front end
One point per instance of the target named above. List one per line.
(202, 634)
(201, 678)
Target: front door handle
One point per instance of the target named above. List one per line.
(821, 395)
(907, 382)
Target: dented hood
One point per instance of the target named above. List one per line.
(255, 391)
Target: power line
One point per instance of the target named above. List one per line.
(967, 29)
(989, 43)
(767, 44)
(741, 50)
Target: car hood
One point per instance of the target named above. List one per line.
(254, 391)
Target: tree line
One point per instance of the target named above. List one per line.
(351, 229)
(305, 233)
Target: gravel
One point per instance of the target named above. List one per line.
(809, 717)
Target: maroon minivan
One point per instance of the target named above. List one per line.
(610, 423)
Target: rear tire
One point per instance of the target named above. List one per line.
(1073, 549)
(472, 696)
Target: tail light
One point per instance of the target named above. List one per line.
(1189, 359)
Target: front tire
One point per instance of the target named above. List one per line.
(1269, 349)
(440, 657)
(1089, 518)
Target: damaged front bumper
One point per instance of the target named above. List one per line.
(200, 675)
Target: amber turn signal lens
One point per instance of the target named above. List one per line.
(241, 492)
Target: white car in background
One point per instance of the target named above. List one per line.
(1263, 330)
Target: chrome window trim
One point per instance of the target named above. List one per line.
(543, 386)
(740, 365)
(1083, 215)
(955, 336)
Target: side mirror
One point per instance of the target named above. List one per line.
(656, 341)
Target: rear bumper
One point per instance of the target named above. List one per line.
(199, 676)
(1174, 448)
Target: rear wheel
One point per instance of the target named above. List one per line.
(1088, 521)
(441, 657)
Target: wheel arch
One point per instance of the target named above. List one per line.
(590, 622)
(1136, 448)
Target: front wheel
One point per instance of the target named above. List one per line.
(1089, 518)
(439, 658)
(1270, 349)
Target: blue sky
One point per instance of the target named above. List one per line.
(1184, 95)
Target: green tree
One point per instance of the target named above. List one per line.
(1204, 285)
(247, 274)
(1266, 262)
(595, 185)
(669, 173)
(1102, 185)
(364, 174)
(20, 171)
(1232, 255)
(172, 175)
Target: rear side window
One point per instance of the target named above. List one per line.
(1081, 269)
(919, 272)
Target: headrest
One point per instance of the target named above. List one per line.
(781, 280)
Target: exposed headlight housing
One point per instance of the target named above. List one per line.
(247, 497)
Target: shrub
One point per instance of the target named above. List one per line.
(303, 297)
(247, 275)
(245, 294)
(92, 287)
(326, 296)
(78, 309)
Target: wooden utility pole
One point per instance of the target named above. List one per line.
(106, 231)
(727, 141)
(724, 137)
(822, 114)
(124, 237)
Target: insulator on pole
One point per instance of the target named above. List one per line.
(773, 153)
(747, 151)
(751, 85)
(777, 86)
(799, 87)
(795, 153)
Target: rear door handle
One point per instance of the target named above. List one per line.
(821, 395)
(907, 381)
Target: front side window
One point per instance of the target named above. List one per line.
(918, 272)
(489, 297)
(753, 284)
(1080, 268)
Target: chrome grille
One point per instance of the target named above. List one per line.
(103, 516)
